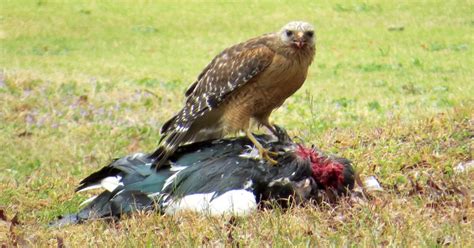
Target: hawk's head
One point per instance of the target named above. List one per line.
(298, 34)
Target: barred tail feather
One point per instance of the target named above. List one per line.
(169, 145)
(166, 127)
(161, 155)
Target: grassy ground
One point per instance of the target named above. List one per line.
(391, 89)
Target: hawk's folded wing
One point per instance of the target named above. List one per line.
(228, 71)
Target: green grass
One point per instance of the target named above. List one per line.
(391, 88)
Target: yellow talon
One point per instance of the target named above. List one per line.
(264, 153)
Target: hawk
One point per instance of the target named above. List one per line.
(241, 86)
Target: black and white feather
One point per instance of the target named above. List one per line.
(213, 177)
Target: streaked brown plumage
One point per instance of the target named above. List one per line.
(244, 83)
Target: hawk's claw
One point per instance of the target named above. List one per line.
(265, 154)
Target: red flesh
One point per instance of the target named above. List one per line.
(326, 171)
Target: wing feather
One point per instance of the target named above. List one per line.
(228, 71)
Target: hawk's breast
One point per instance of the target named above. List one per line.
(264, 93)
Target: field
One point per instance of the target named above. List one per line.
(391, 88)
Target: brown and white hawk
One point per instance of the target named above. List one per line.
(244, 83)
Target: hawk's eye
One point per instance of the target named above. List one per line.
(289, 33)
(310, 34)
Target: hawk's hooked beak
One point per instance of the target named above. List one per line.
(299, 44)
(299, 41)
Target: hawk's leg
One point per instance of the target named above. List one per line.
(264, 153)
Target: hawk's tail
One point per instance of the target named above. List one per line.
(169, 143)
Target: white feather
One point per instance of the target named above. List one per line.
(151, 195)
(94, 186)
(87, 201)
(135, 155)
(248, 184)
(235, 202)
(111, 183)
(250, 152)
(282, 180)
(371, 184)
(177, 169)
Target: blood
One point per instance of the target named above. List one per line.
(326, 171)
